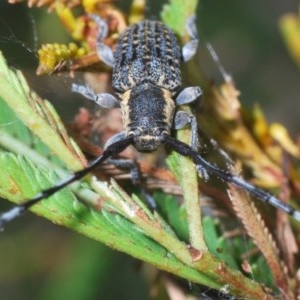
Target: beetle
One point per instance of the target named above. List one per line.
(146, 76)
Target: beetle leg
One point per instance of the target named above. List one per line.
(132, 166)
(188, 95)
(124, 164)
(104, 100)
(182, 119)
(190, 48)
(104, 52)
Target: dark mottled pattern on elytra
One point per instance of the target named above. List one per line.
(147, 52)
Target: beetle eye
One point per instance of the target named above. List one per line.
(136, 132)
(159, 131)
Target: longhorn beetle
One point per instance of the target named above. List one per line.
(146, 76)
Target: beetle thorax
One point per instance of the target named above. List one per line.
(147, 112)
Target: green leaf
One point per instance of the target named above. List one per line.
(39, 116)
(20, 178)
(176, 13)
(173, 213)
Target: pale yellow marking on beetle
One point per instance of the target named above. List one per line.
(125, 107)
(169, 107)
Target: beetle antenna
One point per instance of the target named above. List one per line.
(226, 176)
(110, 151)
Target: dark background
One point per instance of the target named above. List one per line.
(39, 260)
